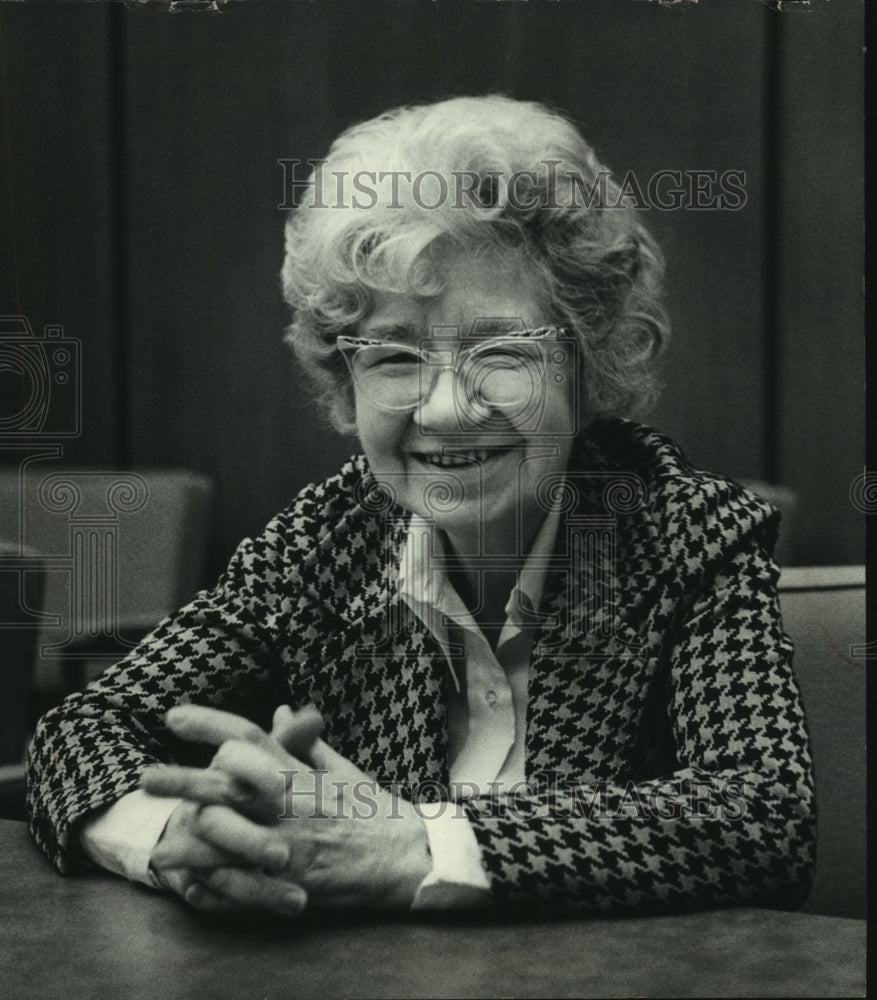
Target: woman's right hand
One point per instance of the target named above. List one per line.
(255, 887)
(348, 843)
(183, 858)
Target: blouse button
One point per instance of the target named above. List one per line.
(490, 697)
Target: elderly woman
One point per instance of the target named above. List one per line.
(524, 654)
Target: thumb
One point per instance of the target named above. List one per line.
(297, 732)
(324, 758)
(296, 896)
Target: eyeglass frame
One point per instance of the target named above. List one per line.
(349, 346)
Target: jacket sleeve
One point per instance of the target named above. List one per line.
(219, 650)
(732, 823)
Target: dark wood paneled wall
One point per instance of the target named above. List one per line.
(138, 206)
(820, 364)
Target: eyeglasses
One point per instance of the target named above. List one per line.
(505, 371)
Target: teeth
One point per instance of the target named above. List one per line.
(461, 458)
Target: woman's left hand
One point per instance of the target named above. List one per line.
(349, 842)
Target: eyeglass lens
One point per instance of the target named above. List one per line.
(497, 374)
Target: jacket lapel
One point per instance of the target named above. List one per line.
(383, 675)
(590, 669)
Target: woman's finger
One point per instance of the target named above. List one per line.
(186, 852)
(201, 724)
(205, 900)
(210, 786)
(324, 758)
(293, 731)
(257, 891)
(296, 732)
(233, 834)
(241, 775)
(184, 883)
(260, 772)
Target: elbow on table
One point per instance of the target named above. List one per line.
(784, 842)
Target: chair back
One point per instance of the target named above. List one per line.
(21, 594)
(121, 549)
(824, 614)
(786, 502)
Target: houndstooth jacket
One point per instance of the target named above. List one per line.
(666, 750)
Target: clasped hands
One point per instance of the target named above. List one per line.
(276, 821)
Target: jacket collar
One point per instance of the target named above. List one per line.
(602, 516)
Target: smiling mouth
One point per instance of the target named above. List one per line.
(457, 459)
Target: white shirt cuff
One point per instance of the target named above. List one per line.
(121, 838)
(458, 879)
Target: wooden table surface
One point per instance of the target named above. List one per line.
(98, 936)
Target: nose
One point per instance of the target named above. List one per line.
(439, 410)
